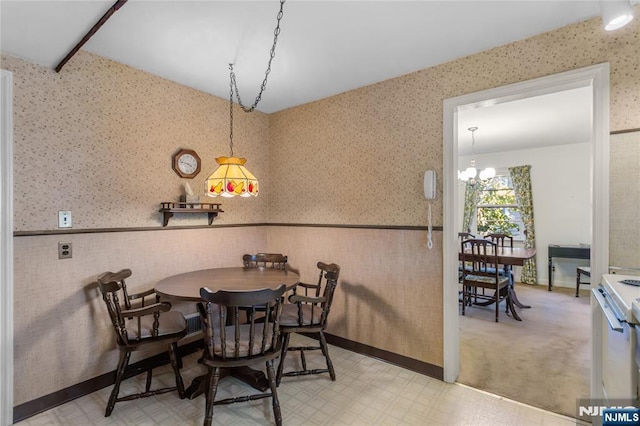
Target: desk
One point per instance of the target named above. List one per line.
(512, 256)
(187, 287)
(568, 252)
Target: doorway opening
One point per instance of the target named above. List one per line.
(597, 79)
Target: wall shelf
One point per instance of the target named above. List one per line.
(169, 208)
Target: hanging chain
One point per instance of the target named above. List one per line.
(276, 33)
(231, 116)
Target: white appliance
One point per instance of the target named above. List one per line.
(619, 336)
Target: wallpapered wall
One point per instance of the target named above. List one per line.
(321, 163)
(363, 152)
(98, 139)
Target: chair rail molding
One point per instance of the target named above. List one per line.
(595, 77)
(6, 248)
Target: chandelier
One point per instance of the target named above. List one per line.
(470, 173)
(231, 178)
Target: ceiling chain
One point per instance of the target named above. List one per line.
(234, 87)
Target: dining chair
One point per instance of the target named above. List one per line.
(308, 312)
(265, 260)
(139, 321)
(502, 240)
(479, 254)
(582, 270)
(461, 237)
(231, 342)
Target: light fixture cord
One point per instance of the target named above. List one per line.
(263, 86)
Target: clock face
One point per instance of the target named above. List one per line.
(186, 163)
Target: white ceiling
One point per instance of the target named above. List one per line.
(324, 48)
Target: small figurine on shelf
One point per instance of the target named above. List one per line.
(188, 196)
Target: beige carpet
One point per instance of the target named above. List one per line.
(543, 361)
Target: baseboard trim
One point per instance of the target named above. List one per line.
(390, 357)
(47, 402)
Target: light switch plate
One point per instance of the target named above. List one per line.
(64, 219)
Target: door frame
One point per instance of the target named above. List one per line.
(6, 247)
(597, 78)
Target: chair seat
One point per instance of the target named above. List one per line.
(585, 270)
(289, 317)
(486, 280)
(490, 270)
(170, 323)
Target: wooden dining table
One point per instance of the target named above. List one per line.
(509, 257)
(186, 287)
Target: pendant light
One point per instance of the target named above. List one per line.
(231, 178)
(469, 175)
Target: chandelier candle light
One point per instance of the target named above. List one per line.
(469, 175)
(231, 178)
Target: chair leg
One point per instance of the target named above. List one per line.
(212, 389)
(175, 364)
(271, 376)
(464, 298)
(283, 354)
(148, 383)
(122, 365)
(325, 352)
(497, 296)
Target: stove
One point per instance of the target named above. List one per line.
(623, 295)
(616, 301)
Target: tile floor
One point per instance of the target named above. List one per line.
(367, 392)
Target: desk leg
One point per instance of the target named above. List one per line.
(550, 273)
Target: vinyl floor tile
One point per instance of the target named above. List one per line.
(367, 392)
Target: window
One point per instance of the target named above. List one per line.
(497, 210)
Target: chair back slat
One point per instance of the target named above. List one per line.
(480, 256)
(501, 240)
(327, 282)
(234, 339)
(265, 260)
(109, 289)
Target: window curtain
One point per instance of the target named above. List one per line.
(471, 198)
(521, 178)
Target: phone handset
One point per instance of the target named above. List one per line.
(429, 194)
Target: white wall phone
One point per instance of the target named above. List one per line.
(430, 184)
(429, 194)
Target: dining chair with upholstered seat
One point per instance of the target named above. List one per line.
(230, 342)
(480, 254)
(502, 240)
(461, 237)
(140, 320)
(308, 312)
(265, 260)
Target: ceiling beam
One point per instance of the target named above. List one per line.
(113, 9)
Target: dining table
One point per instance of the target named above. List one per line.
(509, 257)
(186, 287)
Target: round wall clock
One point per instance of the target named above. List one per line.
(186, 163)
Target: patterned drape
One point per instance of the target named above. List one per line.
(471, 198)
(521, 178)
